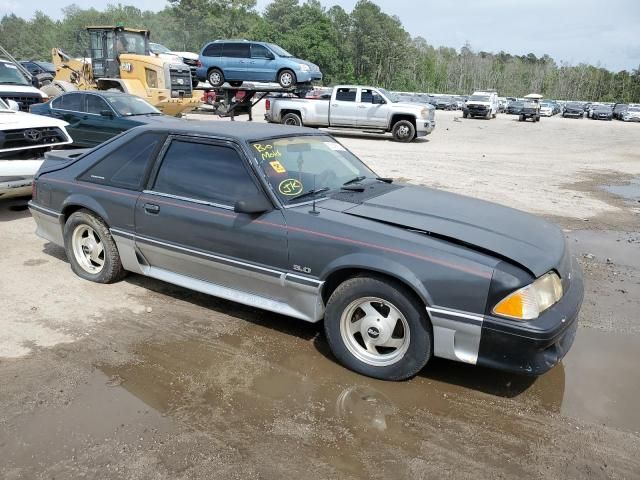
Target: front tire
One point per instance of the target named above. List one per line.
(287, 79)
(90, 248)
(377, 327)
(404, 131)
(292, 119)
(215, 77)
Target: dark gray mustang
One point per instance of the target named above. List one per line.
(287, 220)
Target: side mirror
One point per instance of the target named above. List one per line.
(379, 100)
(13, 105)
(35, 81)
(270, 56)
(106, 113)
(253, 206)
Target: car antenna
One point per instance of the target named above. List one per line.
(313, 210)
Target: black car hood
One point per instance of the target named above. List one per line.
(512, 235)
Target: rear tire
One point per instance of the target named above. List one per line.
(215, 77)
(404, 131)
(292, 119)
(90, 248)
(377, 327)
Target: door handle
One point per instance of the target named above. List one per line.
(151, 208)
(362, 106)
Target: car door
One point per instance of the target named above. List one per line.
(261, 63)
(236, 60)
(344, 109)
(186, 224)
(372, 109)
(99, 125)
(70, 108)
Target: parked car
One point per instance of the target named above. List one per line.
(362, 108)
(515, 107)
(601, 112)
(189, 58)
(96, 116)
(24, 138)
(445, 102)
(37, 67)
(288, 220)
(236, 61)
(619, 110)
(481, 104)
(18, 86)
(573, 109)
(632, 114)
(546, 109)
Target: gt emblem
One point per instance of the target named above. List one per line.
(32, 135)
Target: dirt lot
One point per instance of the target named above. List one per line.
(145, 380)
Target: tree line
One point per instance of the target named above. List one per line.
(363, 46)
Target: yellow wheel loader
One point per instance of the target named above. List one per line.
(120, 60)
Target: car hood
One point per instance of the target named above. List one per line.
(512, 235)
(312, 66)
(10, 120)
(187, 55)
(152, 119)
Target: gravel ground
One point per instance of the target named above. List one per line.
(142, 379)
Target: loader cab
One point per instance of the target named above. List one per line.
(108, 43)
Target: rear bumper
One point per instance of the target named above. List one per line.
(48, 223)
(533, 348)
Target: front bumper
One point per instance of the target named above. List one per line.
(308, 77)
(533, 347)
(574, 114)
(424, 127)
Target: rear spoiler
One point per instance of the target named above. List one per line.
(58, 159)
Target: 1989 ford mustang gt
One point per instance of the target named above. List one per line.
(288, 220)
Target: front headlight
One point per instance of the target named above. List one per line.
(529, 302)
(424, 113)
(303, 67)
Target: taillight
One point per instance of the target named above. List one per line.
(199, 64)
(267, 104)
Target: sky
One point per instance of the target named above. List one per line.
(604, 33)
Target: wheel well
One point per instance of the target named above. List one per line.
(283, 69)
(396, 118)
(338, 277)
(213, 68)
(284, 112)
(71, 209)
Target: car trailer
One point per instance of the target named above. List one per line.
(228, 105)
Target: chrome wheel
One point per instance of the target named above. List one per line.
(214, 78)
(403, 131)
(286, 79)
(375, 331)
(88, 249)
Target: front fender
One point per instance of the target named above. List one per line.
(379, 264)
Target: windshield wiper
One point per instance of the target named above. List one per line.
(311, 192)
(354, 180)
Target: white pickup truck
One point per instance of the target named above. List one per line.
(367, 109)
(24, 139)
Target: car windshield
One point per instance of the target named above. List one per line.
(157, 48)
(393, 98)
(479, 98)
(296, 166)
(633, 109)
(281, 52)
(128, 105)
(574, 105)
(10, 75)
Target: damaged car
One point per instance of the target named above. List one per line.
(286, 219)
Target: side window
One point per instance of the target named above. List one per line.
(210, 173)
(259, 51)
(366, 96)
(236, 50)
(125, 167)
(72, 102)
(57, 102)
(346, 94)
(95, 104)
(213, 50)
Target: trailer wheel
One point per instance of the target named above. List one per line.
(292, 119)
(215, 77)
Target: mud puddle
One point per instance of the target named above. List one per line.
(99, 413)
(630, 191)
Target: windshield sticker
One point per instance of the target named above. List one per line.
(267, 152)
(336, 147)
(277, 166)
(290, 187)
